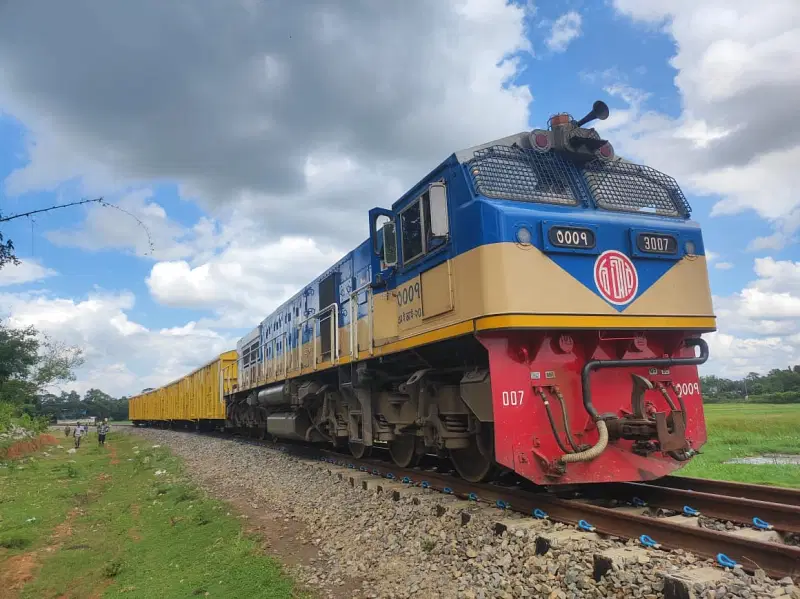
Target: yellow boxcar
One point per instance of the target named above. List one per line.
(196, 396)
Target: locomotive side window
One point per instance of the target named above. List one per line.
(437, 210)
(384, 241)
(411, 231)
(389, 236)
(434, 209)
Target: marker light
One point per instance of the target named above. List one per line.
(524, 236)
(690, 247)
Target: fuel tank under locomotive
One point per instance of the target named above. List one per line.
(277, 416)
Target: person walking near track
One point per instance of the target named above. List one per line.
(102, 431)
(78, 433)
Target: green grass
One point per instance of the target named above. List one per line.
(96, 526)
(744, 430)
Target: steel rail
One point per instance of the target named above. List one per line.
(781, 516)
(731, 489)
(777, 560)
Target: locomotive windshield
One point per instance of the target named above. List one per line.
(630, 187)
(504, 172)
(513, 173)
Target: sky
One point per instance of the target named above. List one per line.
(243, 142)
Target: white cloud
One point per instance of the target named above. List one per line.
(272, 116)
(565, 30)
(759, 327)
(777, 276)
(122, 356)
(723, 265)
(736, 357)
(738, 74)
(27, 271)
(251, 106)
(245, 282)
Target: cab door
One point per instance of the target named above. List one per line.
(425, 282)
(383, 234)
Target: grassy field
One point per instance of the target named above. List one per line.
(122, 520)
(743, 430)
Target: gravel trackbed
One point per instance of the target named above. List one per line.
(343, 541)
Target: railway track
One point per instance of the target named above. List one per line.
(731, 489)
(776, 559)
(722, 505)
(663, 514)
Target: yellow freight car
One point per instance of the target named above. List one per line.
(197, 397)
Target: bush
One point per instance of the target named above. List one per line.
(16, 542)
(112, 569)
(6, 416)
(11, 415)
(781, 397)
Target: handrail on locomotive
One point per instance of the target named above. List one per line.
(298, 366)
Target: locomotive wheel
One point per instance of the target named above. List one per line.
(406, 450)
(359, 450)
(475, 463)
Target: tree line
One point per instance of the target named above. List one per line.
(778, 386)
(32, 368)
(32, 365)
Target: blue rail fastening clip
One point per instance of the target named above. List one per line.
(539, 514)
(761, 525)
(690, 511)
(502, 505)
(472, 497)
(406, 480)
(425, 484)
(636, 502)
(649, 542)
(726, 562)
(390, 475)
(584, 525)
(447, 490)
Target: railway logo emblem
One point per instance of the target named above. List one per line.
(615, 277)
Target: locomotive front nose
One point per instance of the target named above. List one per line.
(655, 431)
(562, 419)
